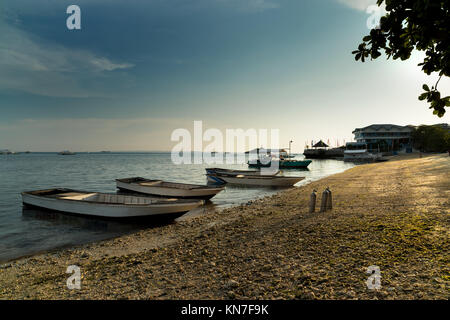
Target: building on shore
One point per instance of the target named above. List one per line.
(385, 137)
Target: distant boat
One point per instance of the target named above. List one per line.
(6, 151)
(268, 181)
(236, 172)
(107, 205)
(66, 153)
(168, 189)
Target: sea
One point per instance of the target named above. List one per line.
(24, 232)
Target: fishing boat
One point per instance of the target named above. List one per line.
(107, 205)
(269, 181)
(237, 172)
(168, 189)
(282, 164)
(66, 153)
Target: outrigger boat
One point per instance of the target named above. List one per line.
(107, 205)
(231, 172)
(262, 180)
(168, 189)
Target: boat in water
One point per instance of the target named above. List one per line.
(281, 164)
(66, 153)
(358, 152)
(168, 189)
(107, 205)
(238, 172)
(261, 180)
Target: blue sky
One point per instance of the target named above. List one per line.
(137, 70)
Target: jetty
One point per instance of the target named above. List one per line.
(322, 151)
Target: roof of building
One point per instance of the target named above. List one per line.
(320, 144)
(384, 127)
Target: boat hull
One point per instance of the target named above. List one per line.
(237, 172)
(283, 164)
(203, 194)
(256, 181)
(108, 210)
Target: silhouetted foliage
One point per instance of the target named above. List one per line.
(431, 139)
(422, 25)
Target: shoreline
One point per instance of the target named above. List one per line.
(272, 248)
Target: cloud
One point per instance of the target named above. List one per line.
(106, 65)
(29, 64)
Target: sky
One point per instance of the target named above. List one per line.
(139, 69)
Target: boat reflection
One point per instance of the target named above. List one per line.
(90, 223)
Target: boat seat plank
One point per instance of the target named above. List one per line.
(77, 196)
(150, 183)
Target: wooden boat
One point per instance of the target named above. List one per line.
(231, 172)
(168, 189)
(282, 164)
(269, 181)
(107, 205)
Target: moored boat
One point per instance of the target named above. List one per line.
(358, 152)
(238, 172)
(269, 181)
(168, 189)
(107, 205)
(282, 164)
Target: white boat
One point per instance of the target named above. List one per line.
(357, 152)
(231, 172)
(269, 181)
(107, 205)
(168, 189)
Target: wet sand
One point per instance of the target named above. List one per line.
(394, 215)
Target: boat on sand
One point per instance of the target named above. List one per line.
(268, 181)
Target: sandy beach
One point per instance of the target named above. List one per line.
(394, 215)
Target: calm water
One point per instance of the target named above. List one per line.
(26, 231)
